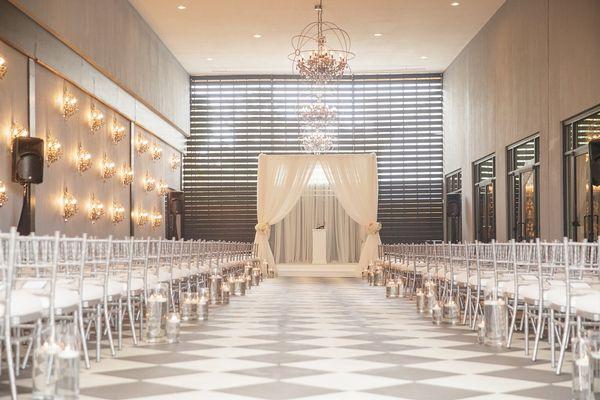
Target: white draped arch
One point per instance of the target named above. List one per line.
(283, 178)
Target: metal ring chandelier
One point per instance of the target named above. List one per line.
(321, 50)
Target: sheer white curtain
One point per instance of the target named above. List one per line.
(291, 239)
(281, 181)
(353, 179)
(283, 178)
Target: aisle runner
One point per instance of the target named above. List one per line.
(321, 339)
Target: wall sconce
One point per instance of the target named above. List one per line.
(69, 103)
(175, 161)
(162, 188)
(96, 119)
(117, 212)
(126, 175)
(54, 150)
(155, 152)
(83, 160)
(117, 131)
(16, 131)
(142, 144)
(108, 168)
(96, 209)
(3, 67)
(149, 183)
(155, 219)
(3, 195)
(68, 205)
(142, 217)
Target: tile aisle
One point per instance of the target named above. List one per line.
(321, 339)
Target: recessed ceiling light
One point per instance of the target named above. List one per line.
(456, 3)
(378, 34)
(257, 35)
(424, 57)
(181, 7)
(209, 59)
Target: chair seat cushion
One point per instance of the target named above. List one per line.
(23, 303)
(589, 303)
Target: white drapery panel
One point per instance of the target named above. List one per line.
(281, 181)
(283, 178)
(291, 238)
(354, 181)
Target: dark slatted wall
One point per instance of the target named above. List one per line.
(234, 118)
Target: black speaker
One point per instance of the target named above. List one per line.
(594, 153)
(453, 205)
(176, 203)
(28, 160)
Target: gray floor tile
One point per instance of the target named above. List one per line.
(418, 391)
(279, 372)
(159, 371)
(546, 392)
(278, 391)
(131, 390)
(408, 373)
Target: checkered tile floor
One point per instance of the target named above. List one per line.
(320, 339)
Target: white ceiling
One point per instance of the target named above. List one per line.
(222, 30)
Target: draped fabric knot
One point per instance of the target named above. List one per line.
(373, 228)
(262, 227)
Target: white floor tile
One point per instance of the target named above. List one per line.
(347, 381)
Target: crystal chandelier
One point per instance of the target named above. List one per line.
(321, 50)
(316, 142)
(316, 120)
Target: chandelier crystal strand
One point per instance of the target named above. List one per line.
(316, 120)
(321, 50)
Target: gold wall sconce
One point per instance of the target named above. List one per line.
(126, 175)
(16, 131)
(3, 67)
(117, 131)
(95, 209)
(155, 152)
(175, 161)
(83, 160)
(117, 213)
(3, 194)
(155, 219)
(54, 150)
(108, 168)
(162, 188)
(142, 144)
(70, 104)
(96, 119)
(68, 205)
(149, 183)
(142, 217)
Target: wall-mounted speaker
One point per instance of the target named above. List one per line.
(453, 205)
(594, 155)
(28, 160)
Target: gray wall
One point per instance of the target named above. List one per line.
(113, 37)
(532, 66)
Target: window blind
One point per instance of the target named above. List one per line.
(234, 118)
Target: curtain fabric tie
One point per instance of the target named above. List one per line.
(373, 228)
(262, 227)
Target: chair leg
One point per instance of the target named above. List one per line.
(108, 330)
(513, 321)
(9, 360)
(98, 331)
(120, 325)
(552, 339)
(131, 320)
(564, 344)
(538, 334)
(526, 327)
(86, 355)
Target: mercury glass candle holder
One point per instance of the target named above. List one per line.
(142, 144)
(3, 195)
(156, 152)
(83, 160)
(3, 67)
(96, 209)
(117, 214)
(126, 175)
(68, 205)
(54, 151)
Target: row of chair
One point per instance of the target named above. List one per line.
(100, 284)
(550, 290)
